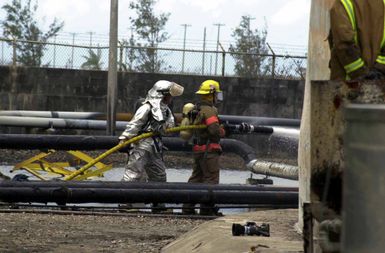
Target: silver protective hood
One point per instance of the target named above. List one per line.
(157, 93)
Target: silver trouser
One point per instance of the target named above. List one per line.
(144, 165)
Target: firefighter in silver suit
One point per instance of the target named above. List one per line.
(145, 161)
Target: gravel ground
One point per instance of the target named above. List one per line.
(22, 232)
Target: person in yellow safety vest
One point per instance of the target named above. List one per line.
(206, 148)
(357, 39)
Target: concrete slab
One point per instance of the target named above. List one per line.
(216, 235)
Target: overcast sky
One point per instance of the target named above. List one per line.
(287, 20)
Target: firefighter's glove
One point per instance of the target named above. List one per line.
(353, 94)
(222, 131)
(374, 74)
(122, 138)
(160, 128)
(127, 148)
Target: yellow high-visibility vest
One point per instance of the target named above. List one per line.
(359, 63)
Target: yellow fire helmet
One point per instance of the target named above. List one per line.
(209, 87)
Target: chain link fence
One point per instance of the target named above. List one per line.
(152, 60)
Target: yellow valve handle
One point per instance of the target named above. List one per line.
(121, 145)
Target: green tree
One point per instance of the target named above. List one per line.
(93, 60)
(149, 28)
(20, 24)
(248, 50)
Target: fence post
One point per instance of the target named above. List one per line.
(211, 63)
(204, 49)
(223, 59)
(273, 63)
(223, 62)
(120, 56)
(72, 51)
(54, 52)
(2, 52)
(14, 52)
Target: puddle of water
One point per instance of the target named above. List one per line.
(181, 175)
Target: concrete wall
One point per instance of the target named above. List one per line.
(317, 69)
(79, 90)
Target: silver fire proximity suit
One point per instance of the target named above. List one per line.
(145, 161)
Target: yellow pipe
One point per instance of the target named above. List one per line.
(123, 144)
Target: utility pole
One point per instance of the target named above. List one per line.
(184, 44)
(131, 53)
(91, 38)
(204, 49)
(112, 69)
(216, 54)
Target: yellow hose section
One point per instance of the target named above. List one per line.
(121, 145)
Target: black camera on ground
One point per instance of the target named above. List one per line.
(251, 228)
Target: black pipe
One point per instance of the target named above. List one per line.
(59, 142)
(145, 185)
(246, 128)
(82, 142)
(64, 195)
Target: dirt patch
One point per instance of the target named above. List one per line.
(21, 232)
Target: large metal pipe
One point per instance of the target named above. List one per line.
(273, 169)
(78, 142)
(95, 121)
(55, 114)
(56, 123)
(65, 195)
(147, 185)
